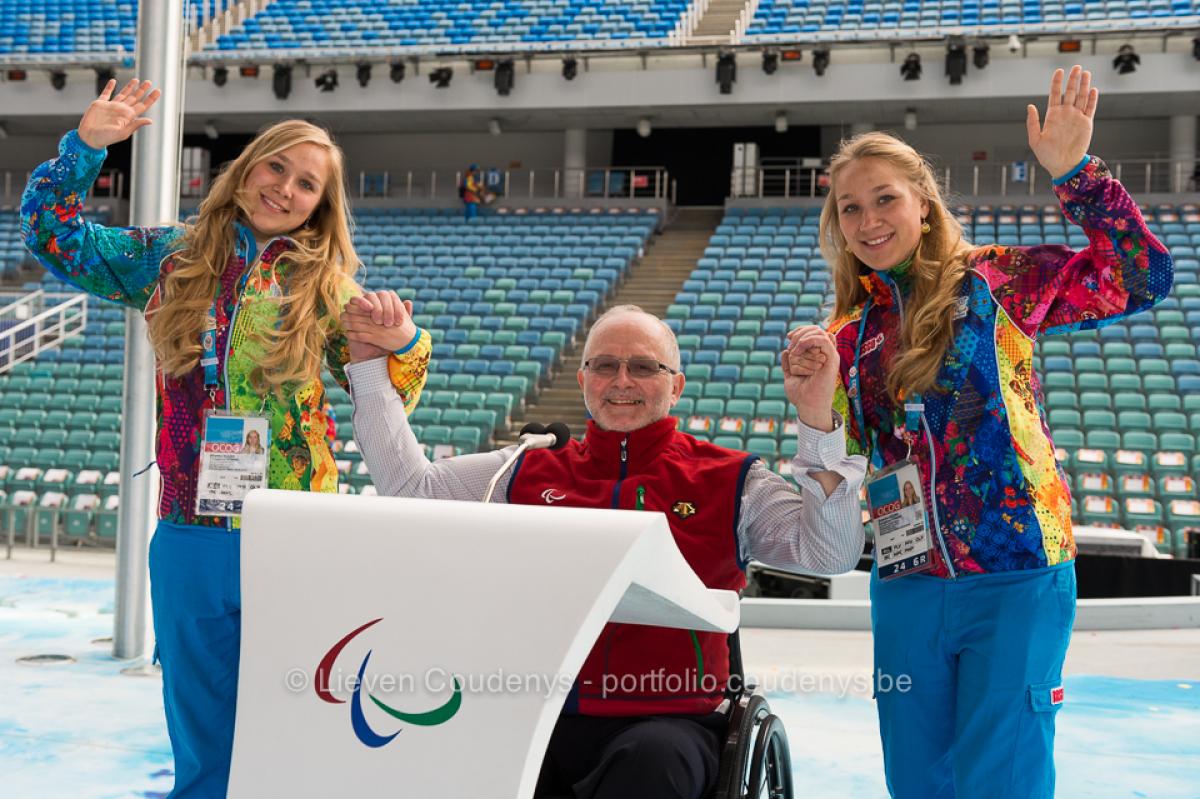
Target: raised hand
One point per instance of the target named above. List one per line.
(109, 119)
(810, 375)
(376, 324)
(1062, 142)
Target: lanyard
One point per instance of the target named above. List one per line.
(208, 338)
(914, 407)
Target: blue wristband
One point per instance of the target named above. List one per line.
(1078, 168)
(410, 344)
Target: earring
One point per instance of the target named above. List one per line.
(849, 249)
(925, 226)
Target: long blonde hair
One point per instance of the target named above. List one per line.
(321, 263)
(939, 264)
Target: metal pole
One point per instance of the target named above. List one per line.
(154, 200)
(975, 182)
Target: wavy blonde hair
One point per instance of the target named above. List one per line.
(321, 263)
(939, 263)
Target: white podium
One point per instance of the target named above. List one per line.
(467, 623)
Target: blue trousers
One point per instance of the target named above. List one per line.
(470, 210)
(196, 593)
(983, 659)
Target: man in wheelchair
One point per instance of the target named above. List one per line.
(641, 720)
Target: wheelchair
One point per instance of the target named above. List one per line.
(755, 762)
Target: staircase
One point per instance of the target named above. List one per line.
(652, 285)
(223, 17)
(718, 22)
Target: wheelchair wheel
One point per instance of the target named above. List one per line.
(755, 761)
(771, 763)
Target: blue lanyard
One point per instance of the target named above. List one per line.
(914, 408)
(208, 338)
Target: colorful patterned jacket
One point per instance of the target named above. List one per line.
(126, 265)
(999, 501)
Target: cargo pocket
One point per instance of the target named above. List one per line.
(1033, 765)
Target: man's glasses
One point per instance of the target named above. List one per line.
(639, 368)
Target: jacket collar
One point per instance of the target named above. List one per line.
(884, 286)
(247, 244)
(641, 446)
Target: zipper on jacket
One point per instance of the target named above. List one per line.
(937, 523)
(243, 281)
(616, 497)
(237, 306)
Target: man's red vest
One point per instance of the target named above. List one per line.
(633, 669)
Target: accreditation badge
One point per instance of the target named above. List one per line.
(898, 522)
(234, 454)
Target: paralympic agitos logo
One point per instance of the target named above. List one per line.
(358, 720)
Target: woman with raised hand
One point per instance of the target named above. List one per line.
(972, 612)
(243, 304)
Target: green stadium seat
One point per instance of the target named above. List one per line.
(748, 391)
(1139, 441)
(486, 420)
(1085, 460)
(1129, 383)
(1128, 401)
(756, 374)
(1177, 442)
(1163, 402)
(1099, 510)
(765, 448)
(1172, 462)
(1099, 420)
(1125, 461)
(1058, 400)
(1177, 486)
(1133, 420)
(1094, 483)
(1064, 381)
(467, 438)
(719, 390)
(1093, 381)
(1170, 421)
(1063, 418)
(1135, 485)
(470, 400)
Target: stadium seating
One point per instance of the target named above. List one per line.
(503, 296)
(812, 16)
(64, 26)
(288, 24)
(1122, 403)
(12, 253)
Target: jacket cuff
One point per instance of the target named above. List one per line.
(1078, 168)
(410, 344)
(72, 144)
